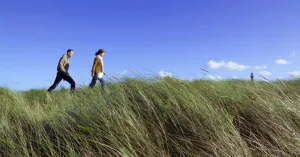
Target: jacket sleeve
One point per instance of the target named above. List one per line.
(94, 65)
(62, 63)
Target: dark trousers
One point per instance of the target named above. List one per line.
(94, 80)
(59, 77)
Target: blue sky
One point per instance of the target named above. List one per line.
(228, 38)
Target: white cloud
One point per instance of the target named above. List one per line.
(164, 74)
(280, 77)
(261, 67)
(191, 79)
(228, 66)
(122, 73)
(265, 73)
(281, 61)
(215, 78)
(234, 77)
(294, 74)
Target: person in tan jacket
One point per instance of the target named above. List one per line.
(97, 71)
(62, 71)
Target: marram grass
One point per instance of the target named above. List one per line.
(163, 118)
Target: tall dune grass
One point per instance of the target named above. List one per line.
(165, 118)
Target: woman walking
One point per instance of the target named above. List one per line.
(98, 69)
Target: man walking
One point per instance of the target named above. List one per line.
(98, 69)
(62, 71)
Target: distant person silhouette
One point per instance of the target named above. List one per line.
(62, 71)
(97, 71)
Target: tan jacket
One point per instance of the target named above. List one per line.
(97, 66)
(63, 64)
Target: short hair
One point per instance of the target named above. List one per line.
(69, 50)
(99, 52)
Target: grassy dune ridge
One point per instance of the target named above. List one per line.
(169, 117)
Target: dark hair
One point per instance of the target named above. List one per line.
(69, 50)
(99, 52)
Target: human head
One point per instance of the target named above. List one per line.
(70, 53)
(100, 52)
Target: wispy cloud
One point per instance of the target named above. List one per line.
(164, 74)
(260, 67)
(265, 73)
(294, 74)
(227, 65)
(281, 61)
(293, 53)
(215, 78)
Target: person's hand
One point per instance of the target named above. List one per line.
(92, 74)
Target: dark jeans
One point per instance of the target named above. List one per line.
(94, 80)
(59, 77)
